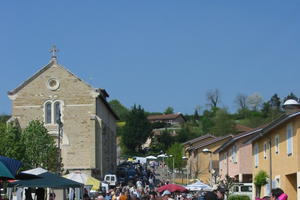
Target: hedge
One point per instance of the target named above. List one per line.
(238, 197)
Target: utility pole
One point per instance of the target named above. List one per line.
(60, 125)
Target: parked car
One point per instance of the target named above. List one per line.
(126, 174)
(111, 179)
(242, 189)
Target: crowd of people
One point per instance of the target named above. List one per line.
(144, 187)
(138, 192)
(134, 193)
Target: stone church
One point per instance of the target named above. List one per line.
(88, 139)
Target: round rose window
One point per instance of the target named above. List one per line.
(53, 84)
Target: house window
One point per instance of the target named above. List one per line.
(289, 138)
(265, 150)
(48, 113)
(277, 144)
(256, 155)
(234, 154)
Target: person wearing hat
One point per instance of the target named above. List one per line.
(217, 194)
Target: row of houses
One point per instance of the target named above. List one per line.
(273, 148)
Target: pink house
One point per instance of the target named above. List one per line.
(235, 157)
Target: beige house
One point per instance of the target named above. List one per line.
(202, 162)
(88, 142)
(276, 150)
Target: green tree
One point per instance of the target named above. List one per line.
(223, 123)
(275, 102)
(10, 143)
(196, 116)
(40, 149)
(291, 96)
(165, 139)
(266, 109)
(184, 134)
(136, 130)
(260, 179)
(4, 118)
(207, 119)
(176, 150)
(120, 110)
(169, 110)
(155, 146)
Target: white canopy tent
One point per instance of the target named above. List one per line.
(162, 156)
(151, 158)
(198, 186)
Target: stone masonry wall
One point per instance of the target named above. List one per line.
(78, 142)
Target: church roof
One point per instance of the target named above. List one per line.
(102, 92)
(52, 62)
(17, 89)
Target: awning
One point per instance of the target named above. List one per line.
(84, 179)
(47, 180)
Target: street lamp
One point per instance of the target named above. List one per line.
(187, 174)
(60, 125)
(173, 173)
(206, 151)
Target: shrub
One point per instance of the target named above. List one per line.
(238, 197)
(260, 179)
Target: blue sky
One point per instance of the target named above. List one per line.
(156, 53)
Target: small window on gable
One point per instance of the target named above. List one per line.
(48, 113)
(277, 144)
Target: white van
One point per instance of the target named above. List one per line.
(141, 160)
(111, 179)
(242, 189)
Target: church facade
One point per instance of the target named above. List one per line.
(88, 139)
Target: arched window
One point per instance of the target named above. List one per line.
(57, 111)
(48, 112)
